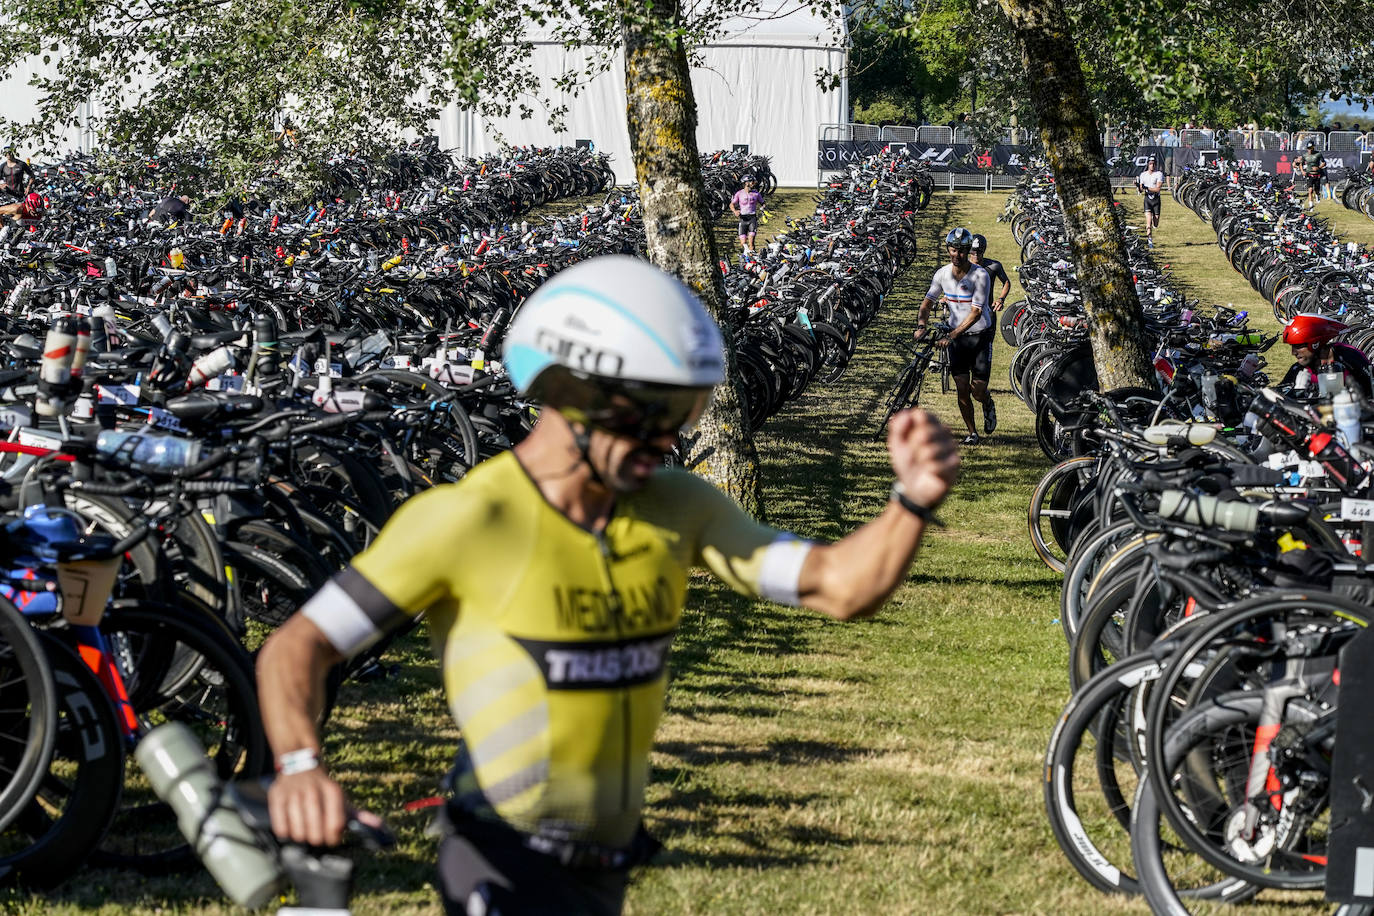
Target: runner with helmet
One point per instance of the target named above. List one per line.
(30, 208)
(553, 577)
(978, 254)
(965, 288)
(1316, 351)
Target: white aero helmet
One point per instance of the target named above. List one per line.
(618, 319)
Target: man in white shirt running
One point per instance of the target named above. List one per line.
(965, 287)
(1150, 183)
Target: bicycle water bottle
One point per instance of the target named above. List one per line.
(81, 349)
(209, 366)
(149, 449)
(1346, 413)
(55, 372)
(1208, 510)
(178, 770)
(111, 268)
(265, 343)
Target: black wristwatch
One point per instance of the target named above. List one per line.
(924, 513)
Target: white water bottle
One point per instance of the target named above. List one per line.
(1346, 413)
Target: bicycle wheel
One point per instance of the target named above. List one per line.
(1088, 776)
(80, 791)
(218, 700)
(1280, 854)
(908, 383)
(28, 712)
(1163, 864)
(1051, 508)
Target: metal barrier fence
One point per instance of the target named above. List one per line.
(851, 132)
(1347, 140)
(1195, 138)
(1301, 138)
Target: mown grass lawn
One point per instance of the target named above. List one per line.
(805, 766)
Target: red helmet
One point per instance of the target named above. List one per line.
(1311, 330)
(34, 202)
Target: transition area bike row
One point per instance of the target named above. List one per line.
(1210, 532)
(205, 420)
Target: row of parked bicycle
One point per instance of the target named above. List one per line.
(204, 435)
(1356, 192)
(1291, 257)
(1208, 531)
(1053, 358)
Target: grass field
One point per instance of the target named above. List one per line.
(806, 766)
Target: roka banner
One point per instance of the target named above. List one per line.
(1003, 159)
(952, 157)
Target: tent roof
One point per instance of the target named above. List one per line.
(776, 24)
(788, 23)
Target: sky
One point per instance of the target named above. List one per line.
(1343, 111)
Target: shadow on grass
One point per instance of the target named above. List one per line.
(710, 811)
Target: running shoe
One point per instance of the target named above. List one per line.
(971, 439)
(989, 417)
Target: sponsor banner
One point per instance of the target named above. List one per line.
(964, 158)
(1284, 162)
(952, 157)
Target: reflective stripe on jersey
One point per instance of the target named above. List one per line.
(351, 613)
(962, 294)
(554, 641)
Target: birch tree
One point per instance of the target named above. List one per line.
(661, 114)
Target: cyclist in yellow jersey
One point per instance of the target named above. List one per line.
(553, 578)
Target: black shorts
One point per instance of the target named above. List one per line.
(971, 354)
(491, 861)
(748, 223)
(1152, 203)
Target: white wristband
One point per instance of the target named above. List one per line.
(293, 762)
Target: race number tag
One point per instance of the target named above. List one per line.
(1357, 510)
(15, 415)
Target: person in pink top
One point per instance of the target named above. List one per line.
(746, 205)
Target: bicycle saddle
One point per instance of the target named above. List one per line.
(211, 339)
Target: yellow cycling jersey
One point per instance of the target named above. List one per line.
(553, 640)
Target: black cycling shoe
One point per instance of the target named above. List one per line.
(989, 417)
(971, 439)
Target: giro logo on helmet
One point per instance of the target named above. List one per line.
(578, 355)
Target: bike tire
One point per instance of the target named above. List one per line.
(219, 702)
(28, 712)
(80, 792)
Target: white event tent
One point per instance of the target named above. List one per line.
(755, 84)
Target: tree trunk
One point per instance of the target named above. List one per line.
(661, 112)
(1073, 145)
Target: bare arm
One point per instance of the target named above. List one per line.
(307, 806)
(855, 575)
(923, 316)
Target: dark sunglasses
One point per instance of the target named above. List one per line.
(650, 413)
(641, 412)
